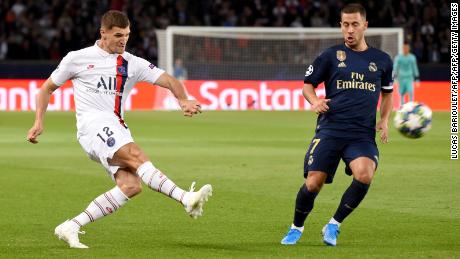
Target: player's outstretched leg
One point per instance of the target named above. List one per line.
(303, 206)
(68, 232)
(104, 205)
(192, 201)
(196, 200)
(350, 200)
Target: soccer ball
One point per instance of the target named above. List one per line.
(413, 119)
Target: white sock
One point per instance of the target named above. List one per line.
(298, 228)
(159, 182)
(333, 221)
(104, 205)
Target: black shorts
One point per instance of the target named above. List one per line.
(325, 152)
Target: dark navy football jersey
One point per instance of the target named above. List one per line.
(353, 81)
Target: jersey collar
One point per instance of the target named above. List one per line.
(100, 50)
(361, 51)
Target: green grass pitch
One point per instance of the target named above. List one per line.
(254, 160)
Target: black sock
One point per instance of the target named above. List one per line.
(303, 205)
(351, 199)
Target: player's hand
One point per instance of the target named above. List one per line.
(320, 106)
(417, 84)
(34, 132)
(190, 107)
(382, 127)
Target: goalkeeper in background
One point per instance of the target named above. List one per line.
(405, 72)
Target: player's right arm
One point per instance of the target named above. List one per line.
(43, 98)
(317, 105)
(65, 71)
(396, 68)
(189, 107)
(316, 73)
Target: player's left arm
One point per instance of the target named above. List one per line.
(147, 72)
(416, 72)
(386, 106)
(189, 107)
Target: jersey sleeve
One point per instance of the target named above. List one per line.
(66, 70)
(317, 72)
(146, 71)
(387, 77)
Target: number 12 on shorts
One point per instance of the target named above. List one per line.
(107, 132)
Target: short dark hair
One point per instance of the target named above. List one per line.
(114, 18)
(354, 8)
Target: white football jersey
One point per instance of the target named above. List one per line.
(102, 81)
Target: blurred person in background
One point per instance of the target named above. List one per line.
(405, 73)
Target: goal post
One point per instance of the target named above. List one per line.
(254, 53)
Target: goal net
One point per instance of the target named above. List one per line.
(242, 53)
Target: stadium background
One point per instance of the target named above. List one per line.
(35, 35)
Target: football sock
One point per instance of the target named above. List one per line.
(351, 199)
(298, 228)
(104, 205)
(411, 96)
(303, 205)
(333, 221)
(159, 182)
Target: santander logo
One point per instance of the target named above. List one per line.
(257, 95)
(20, 95)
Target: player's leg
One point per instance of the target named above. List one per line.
(320, 164)
(363, 171)
(128, 185)
(402, 90)
(361, 158)
(410, 90)
(132, 156)
(304, 205)
(306, 197)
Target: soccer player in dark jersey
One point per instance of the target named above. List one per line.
(355, 75)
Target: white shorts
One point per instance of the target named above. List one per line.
(101, 138)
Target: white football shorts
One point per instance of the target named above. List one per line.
(101, 138)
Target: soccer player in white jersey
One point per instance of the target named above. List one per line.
(102, 77)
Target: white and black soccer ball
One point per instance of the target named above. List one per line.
(413, 119)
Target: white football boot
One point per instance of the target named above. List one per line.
(197, 199)
(69, 234)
